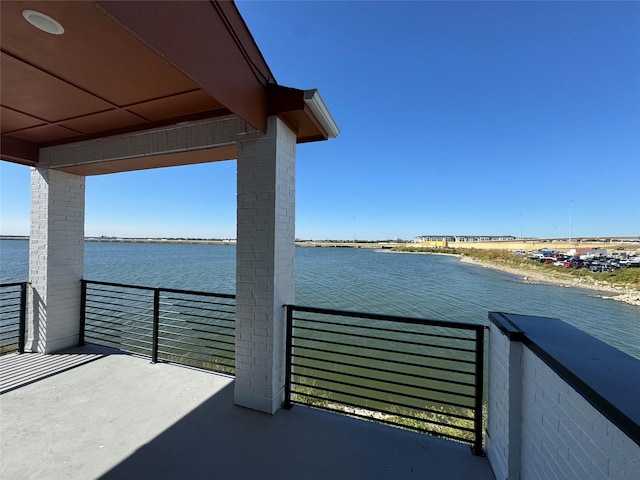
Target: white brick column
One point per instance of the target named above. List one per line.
(504, 416)
(264, 263)
(56, 259)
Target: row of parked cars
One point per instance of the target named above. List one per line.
(593, 263)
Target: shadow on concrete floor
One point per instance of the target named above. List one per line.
(21, 369)
(220, 440)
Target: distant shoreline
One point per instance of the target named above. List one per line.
(230, 241)
(624, 294)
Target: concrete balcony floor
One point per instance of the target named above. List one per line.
(96, 413)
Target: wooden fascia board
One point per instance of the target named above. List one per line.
(289, 104)
(18, 151)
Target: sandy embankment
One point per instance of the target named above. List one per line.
(622, 294)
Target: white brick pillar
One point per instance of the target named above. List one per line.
(264, 263)
(56, 259)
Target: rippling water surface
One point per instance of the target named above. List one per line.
(430, 286)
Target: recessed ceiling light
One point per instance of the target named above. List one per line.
(43, 22)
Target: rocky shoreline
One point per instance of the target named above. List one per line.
(605, 290)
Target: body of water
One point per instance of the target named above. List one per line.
(429, 286)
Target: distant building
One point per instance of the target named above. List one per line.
(426, 239)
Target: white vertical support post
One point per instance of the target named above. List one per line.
(264, 263)
(56, 259)
(504, 416)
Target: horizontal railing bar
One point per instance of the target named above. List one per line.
(386, 370)
(12, 284)
(7, 332)
(192, 292)
(7, 304)
(379, 390)
(163, 349)
(383, 329)
(162, 289)
(390, 422)
(187, 310)
(108, 334)
(118, 333)
(120, 307)
(386, 350)
(396, 362)
(195, 315)
(123, 303)
(390, 382)
(390, 318)
(210, 351)
(164, 298)
(119, 293)
(387, 422)
(373, 399)
(181, 322)
(210, 342)
(107, 322)
(371, 337)
(397, 414)
(169, 335)
(138, 300)
(118, 327)
(114, 284)
(193, 326)
(145, 345)
(120, 313)
(219, 360)
(107, 337)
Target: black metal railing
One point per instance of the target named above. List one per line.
(418, 374)
(181, 326)
(13, 316)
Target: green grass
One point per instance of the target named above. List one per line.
(437, 424)
(626, 277)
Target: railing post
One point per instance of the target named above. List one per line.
(83, 311)
(288, 404)
(479, 392)
(156, 324)
(23, 317)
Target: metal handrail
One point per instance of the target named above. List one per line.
(389, 379)
(183, 326)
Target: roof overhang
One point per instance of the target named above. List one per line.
(304, 111)
(123, 67)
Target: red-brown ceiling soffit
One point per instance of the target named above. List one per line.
(113, 67)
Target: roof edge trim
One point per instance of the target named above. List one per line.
(317, 106)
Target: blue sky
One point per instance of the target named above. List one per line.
(497, 118)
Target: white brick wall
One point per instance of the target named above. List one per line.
(264, 263)
(504, 405)
(564, 437)
(56, 259)
(540, 428)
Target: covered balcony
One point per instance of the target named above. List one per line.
(96, 389)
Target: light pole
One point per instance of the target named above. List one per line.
(521, 228)
(570, 221)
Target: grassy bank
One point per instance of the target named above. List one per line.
(624, 277)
